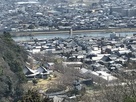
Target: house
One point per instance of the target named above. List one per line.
(102, 77)
(87, 61)
(115, 67)
(83, 70)
(77, 84)
(99, 57)
(43, 72)
(132, 47)
(35, 50)
(97, 67)
(58, 99)
(72, 64)
(106, 58)
(113, 56)
(49, 65)
(120, 60)
(87, 82)
(123, 52)
(132, 60)
(29, 73)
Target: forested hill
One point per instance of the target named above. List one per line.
(12, 61)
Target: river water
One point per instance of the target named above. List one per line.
(50, 36)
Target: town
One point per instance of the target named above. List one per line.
(34, 15)
(68, 51)
(90, 61)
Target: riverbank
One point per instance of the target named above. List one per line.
(33, 33)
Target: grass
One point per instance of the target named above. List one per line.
(93, 88)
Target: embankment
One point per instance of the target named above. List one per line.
(32, 33)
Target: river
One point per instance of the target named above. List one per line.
(50, 36)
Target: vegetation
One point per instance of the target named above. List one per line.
(12, 61)
(57, 88)
(35, 82)
(34, 96)
(130, 99)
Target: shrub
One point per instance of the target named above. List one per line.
(35, 82)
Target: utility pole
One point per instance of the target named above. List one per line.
(71, 32)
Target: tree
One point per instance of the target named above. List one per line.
(35, 81)
(130, 99)
(31, 26)
(6, 34)
(12, 60)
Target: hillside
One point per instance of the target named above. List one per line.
(12, 59)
